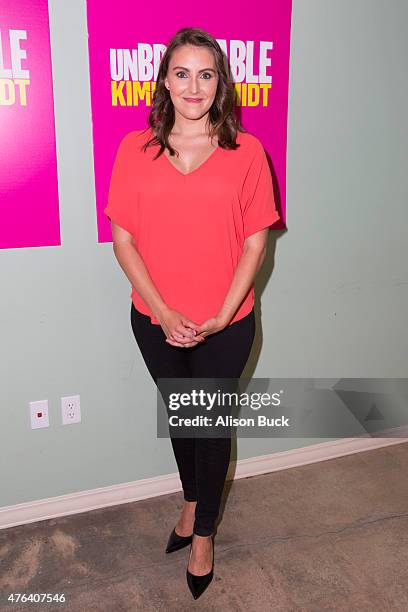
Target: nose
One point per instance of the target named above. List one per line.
(194, 86)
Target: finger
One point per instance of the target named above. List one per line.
(183, 341)
(199, 339)
(201, 335)
(181, 338)
(183, 331)
(194, 343)
(201, 329)
(178, 337)
(173, 342)
(189, 324)
(183, 345)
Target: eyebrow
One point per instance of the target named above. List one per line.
(203, 70)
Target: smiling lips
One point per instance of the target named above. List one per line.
(194, 100)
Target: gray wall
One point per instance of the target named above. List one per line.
(334, 306)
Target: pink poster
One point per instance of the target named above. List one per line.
(126, 42)
(29, 208)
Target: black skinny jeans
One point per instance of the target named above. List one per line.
(202, 462)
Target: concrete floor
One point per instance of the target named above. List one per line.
(327, 536)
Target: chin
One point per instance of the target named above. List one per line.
(192, 114)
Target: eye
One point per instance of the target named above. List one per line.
(208, 74)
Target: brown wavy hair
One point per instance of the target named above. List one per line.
(222, 117)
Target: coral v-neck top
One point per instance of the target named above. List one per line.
(190, 228)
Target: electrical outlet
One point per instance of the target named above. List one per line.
(39, 414)
(70, 409)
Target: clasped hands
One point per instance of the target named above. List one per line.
(181, 331)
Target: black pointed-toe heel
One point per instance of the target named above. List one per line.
(198, 584)
(176, 541)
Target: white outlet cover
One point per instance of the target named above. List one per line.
(71, 409)
(39, 414)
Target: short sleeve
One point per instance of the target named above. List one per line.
(258, 202)
(120, 196)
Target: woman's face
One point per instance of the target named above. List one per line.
(192, 74)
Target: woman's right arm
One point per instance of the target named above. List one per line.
(172, 322)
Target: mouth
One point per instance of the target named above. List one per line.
(193, 100)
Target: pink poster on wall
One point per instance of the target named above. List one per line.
(126, 42)
(29, 209)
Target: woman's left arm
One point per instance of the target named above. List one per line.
(251, 260)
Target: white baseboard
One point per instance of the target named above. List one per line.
(84, 501)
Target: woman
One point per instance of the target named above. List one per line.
(189, 232)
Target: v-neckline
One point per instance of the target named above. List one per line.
(185, 174)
